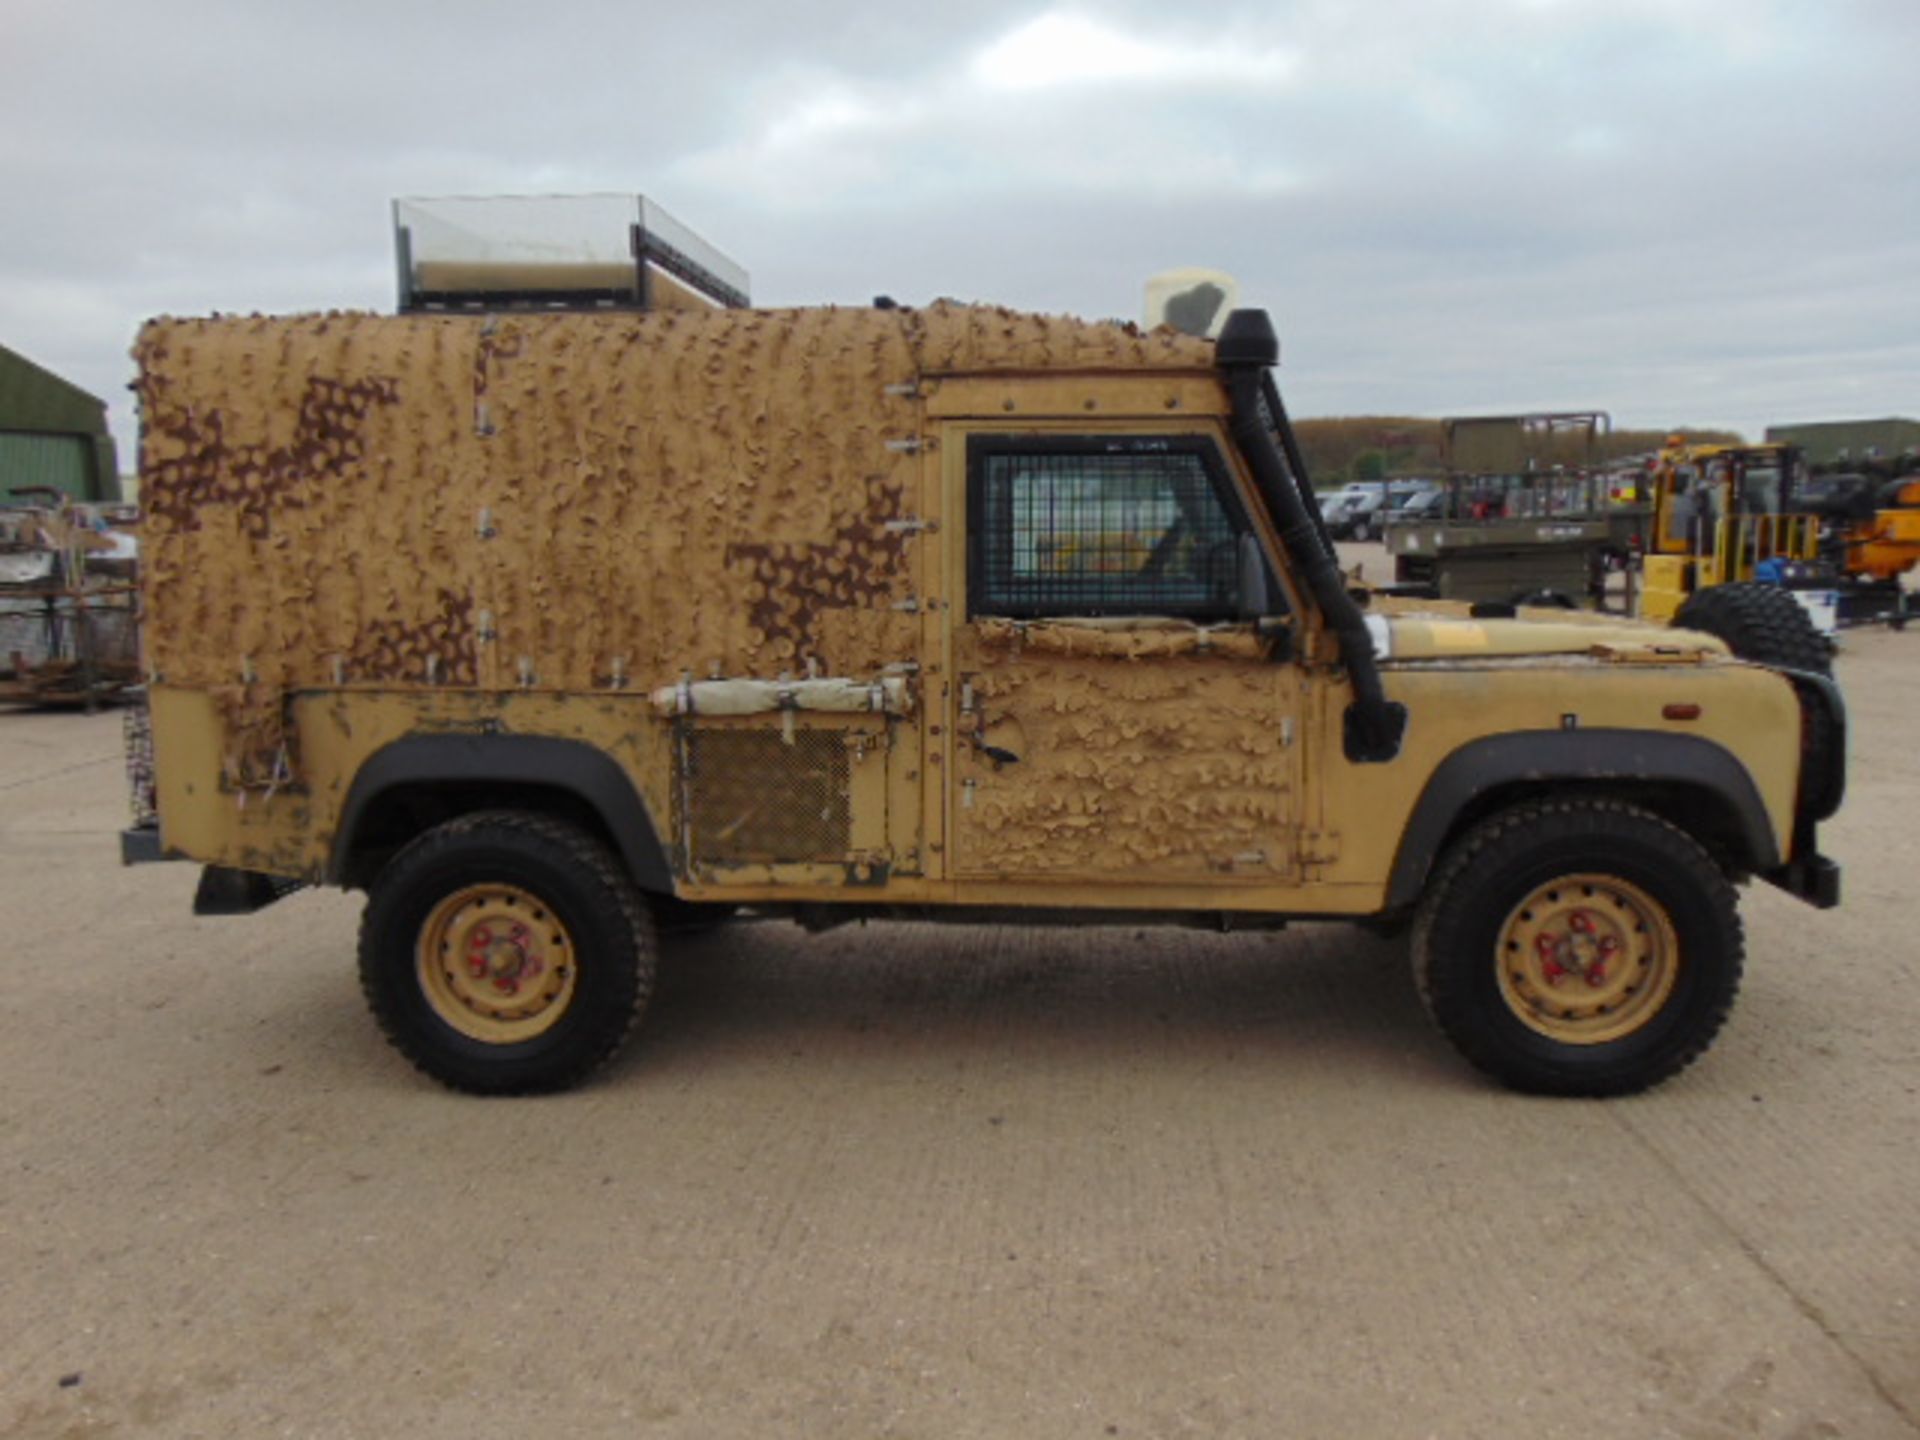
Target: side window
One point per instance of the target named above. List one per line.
(1101, 526)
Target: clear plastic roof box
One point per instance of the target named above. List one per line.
(556, 252)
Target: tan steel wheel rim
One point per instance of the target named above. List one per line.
(496, 964)
(1586, 959)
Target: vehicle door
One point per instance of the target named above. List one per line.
(1115, 713)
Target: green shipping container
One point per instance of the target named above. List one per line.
(1841, 442)
(64, 462)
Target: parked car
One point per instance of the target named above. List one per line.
(1365, 511)
(1421, 505)
(1331, 501)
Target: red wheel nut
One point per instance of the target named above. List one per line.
(1597, 976)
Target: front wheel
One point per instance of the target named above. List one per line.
(505, 953)
(1362, 531)
(1578, 948)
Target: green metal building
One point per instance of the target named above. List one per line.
(52, 433)
(1834, 442)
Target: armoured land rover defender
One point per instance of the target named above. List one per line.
(558, 633)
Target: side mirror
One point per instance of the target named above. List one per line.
(1256, 589)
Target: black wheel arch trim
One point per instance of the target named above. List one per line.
(1822, 791)
(572, 766)
(1541, 757)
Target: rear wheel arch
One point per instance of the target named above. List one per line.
(415, 784)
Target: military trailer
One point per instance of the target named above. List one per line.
(562, 633)
(1530, 516)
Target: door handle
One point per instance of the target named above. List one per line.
(994, 753)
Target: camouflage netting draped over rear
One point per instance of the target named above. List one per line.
(554, 501)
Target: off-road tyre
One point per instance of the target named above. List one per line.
(1473, 907)
(1361, 531)
(567, 886)
(1765, 624)
(1759, 622)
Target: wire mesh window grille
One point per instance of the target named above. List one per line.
(1140, 530)
(758, 797)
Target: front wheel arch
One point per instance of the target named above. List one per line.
(1690, 782)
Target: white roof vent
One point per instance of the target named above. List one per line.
(1192, 300)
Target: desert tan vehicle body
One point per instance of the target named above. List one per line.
(799, 611)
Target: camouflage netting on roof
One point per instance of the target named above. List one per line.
(972, 339)
(563, 501)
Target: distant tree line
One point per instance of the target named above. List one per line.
(1376, 447)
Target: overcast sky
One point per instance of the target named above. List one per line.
(1702, 211)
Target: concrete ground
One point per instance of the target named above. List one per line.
(941, 1182)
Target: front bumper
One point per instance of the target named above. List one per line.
(1811, 877)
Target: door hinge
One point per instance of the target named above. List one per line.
(911, 527)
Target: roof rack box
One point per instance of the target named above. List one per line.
(555, 252)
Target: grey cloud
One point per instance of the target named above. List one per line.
(1697, 211)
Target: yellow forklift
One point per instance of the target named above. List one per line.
(1721, 517)
(1737, 514)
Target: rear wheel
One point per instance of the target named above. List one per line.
(1578, 948)
(505, 953)
(1762, 623)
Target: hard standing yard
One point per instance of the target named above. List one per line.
(941, 1182)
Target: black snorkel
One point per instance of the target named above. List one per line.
(1246, 353)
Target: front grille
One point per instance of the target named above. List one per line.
(762, 796)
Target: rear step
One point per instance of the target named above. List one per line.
(239, 892)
